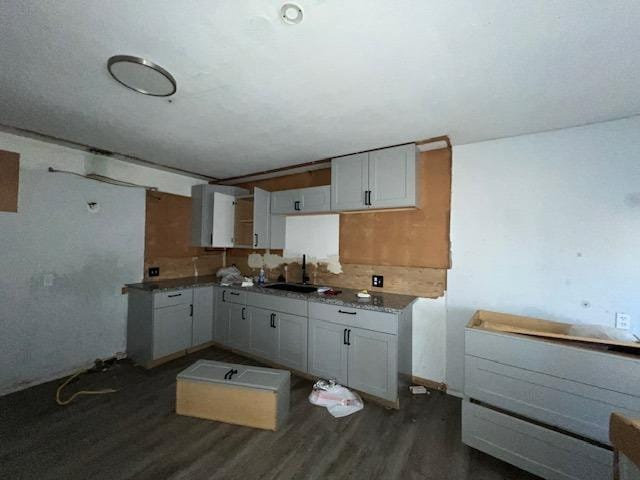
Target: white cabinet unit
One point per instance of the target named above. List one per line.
(301, 201)
(231, 217)
(384, 178)
(162, 324)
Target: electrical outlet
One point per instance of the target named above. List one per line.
(623, 321)
(377, 281)
(154, 271)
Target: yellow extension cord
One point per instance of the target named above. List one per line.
(81, 392)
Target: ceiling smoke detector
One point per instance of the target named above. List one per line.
(141, 75)
(291, 13)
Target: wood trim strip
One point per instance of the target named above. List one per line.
(432, 384)
(624, 434)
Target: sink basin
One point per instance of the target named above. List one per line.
(289, 287)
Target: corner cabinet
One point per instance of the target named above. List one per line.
(162, 325)
(227, 217)
(379, 179)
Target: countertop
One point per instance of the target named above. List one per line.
(382, 302)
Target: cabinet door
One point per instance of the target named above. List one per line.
(349, 181)
(171, 329)
(202, 315)
(373, 362)
(223, 220)
(327, 350)
(261, 218)
(277, 231)
(263, 333)
(315, 199)
(222, 317)
(392, 177)
(239, 327)
(284, 202)
(292, 340)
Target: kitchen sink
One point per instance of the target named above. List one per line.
(290, 287)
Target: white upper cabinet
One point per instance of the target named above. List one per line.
(284, 202)
(226, 217)
(315, 199)
(223, 220)
(261, 218)
(349, 182)
(383, 178)
(392, 177)
(301, 200)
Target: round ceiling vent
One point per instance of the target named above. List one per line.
(142, 75)
(291, 13)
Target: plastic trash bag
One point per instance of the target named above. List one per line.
(339, 400)
(229, 276)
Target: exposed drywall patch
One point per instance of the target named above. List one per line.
(333, 264)
(316, 236)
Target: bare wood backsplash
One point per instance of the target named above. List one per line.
(168, 240)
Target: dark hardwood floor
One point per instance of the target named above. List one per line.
(135, 433)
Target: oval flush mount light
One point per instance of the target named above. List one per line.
(291, 13)
(142, 75)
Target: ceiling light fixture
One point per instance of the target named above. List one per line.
(142, 75)
(291, 13)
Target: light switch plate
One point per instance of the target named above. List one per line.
(377, 281)
(154, 271)
(623, 321)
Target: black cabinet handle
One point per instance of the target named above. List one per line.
(230, 373)
(349, 337)
(175, 295)
(273, 320)
(223, 293)
(243, 316)
(296, 205)
(344, 336)
(211, 239)
(256, 242)
(191, 311)
(347, 313)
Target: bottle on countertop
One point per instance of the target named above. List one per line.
(261, 277)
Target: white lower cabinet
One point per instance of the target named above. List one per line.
(168, 322)
(239, 327)
(362, 359)
(279, 337)
(171, 330)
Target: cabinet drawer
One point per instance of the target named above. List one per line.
(543, 452)
(355, 317)
(578, 408)
(277, 303)
(229, 295)
(580, 365)
(172, 297)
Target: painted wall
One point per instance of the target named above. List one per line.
(49, 331)
(546, 225)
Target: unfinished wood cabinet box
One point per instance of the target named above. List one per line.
(238, 394)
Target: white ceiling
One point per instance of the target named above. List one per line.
(255, 93)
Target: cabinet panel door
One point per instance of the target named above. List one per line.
(263, 334)
(283, 202)
(315, 199)
(202, 315)
(221, 320)
(349, 181)
(261, 218)
(223, 220)
(327, 350)
(392, 177)
(292, 340)
(171, 330)
(239, 327)
(277, 231)
(373, 363)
